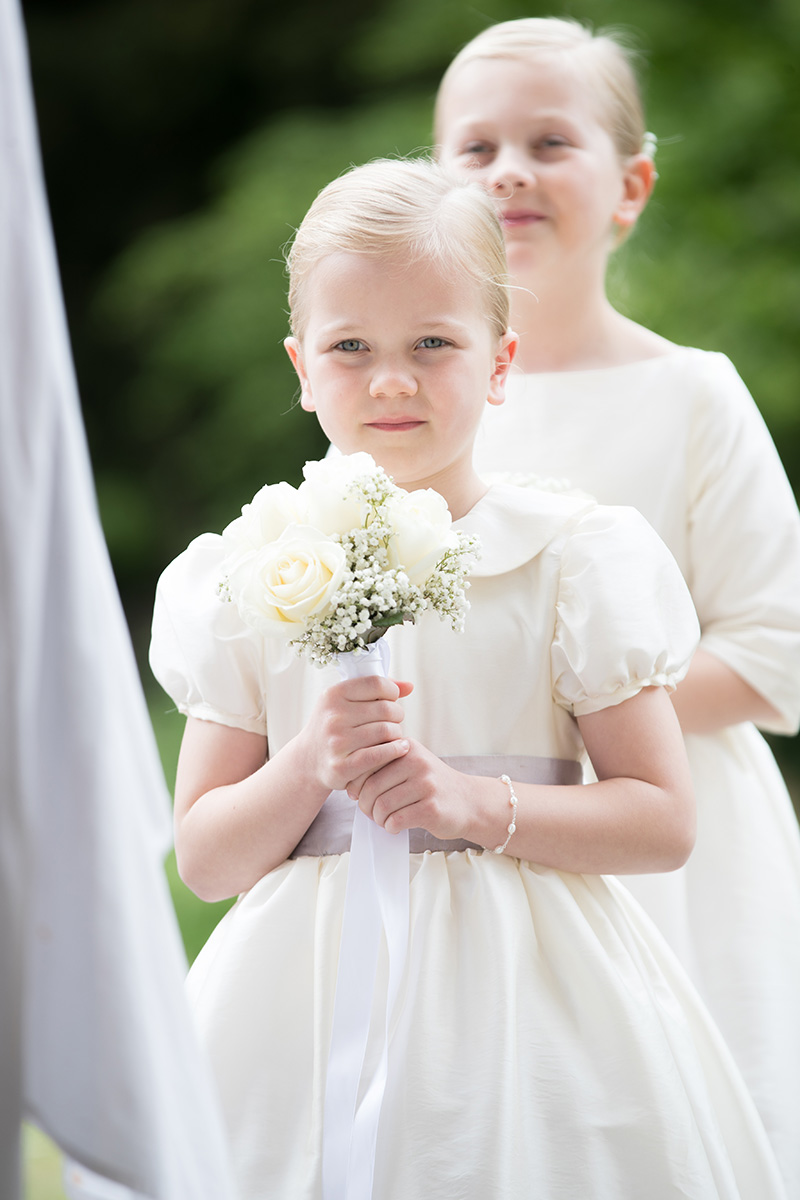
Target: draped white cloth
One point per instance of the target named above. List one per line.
(96, 1042)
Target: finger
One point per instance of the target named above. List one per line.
(387, 790)
(388, 775)
(349, 741)
(368, 687)
(370, 712)
(400, 796)
(365, 763)
(404, 687)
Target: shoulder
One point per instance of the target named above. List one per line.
(609, 537)
(514, 523)
(201, 652)
(192, 580)
(517, 523)
(726, 426)
(631, 342)
(624, 617)
(191, 609)
(709, 377)
(702, 391)
(613, 562)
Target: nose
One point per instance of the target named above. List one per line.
(511, 169)
(392, 378)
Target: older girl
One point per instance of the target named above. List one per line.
(547, 116)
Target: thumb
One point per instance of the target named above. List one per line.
(405, 688)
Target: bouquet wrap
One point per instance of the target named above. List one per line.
(376, 903)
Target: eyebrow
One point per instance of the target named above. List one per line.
(479, 123)
(424, 327)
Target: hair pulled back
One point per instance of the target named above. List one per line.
(407, 210)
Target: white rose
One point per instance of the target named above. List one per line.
(324, 492)
(422, 532)
(263, 520)
(280, 587)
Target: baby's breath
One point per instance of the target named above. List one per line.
(375, 591)
(374, 595)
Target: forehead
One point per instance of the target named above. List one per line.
(544, 85)
(360, 288)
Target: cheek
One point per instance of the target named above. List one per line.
(322, 391)
(457, 164)
(334, 410)
(306, 398)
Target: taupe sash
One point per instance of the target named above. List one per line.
(331, 829)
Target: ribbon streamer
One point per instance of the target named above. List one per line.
(376, 904)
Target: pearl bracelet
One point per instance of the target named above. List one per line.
(512, 828)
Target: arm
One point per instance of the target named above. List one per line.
(742, 565)
(639, 817)
(712, 695)
(238, 813)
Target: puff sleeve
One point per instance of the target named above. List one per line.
(624, 617)
(201, 653)
(744, 543)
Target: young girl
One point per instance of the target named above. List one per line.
(548, 117)
(544, 1041)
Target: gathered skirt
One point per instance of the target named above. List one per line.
(545, 1043)
(732, 916)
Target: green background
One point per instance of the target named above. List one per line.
(182, 144)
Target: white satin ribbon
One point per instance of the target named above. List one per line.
(376, 903)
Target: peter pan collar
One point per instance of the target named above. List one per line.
(515, 523)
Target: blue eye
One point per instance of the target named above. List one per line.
(432, 343)
(475, 151)
(350, 345)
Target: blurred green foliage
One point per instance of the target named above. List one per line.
(41, 1166)
(195, 917)
(183, 144)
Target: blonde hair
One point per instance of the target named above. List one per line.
(603, 57)
(412, 208)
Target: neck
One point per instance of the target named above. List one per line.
(567, 323)
(461, 489)
(563, 324)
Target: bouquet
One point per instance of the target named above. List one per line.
(333, 564)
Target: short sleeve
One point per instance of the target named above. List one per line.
(201, 653)
(624, 617)
(744, 529)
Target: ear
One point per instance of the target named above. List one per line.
(638, 180)
(503, 358)
(294, 350)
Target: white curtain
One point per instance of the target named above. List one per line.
(96, 1044)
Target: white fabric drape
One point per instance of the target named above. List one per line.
(96, 1044)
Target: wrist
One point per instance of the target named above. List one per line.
(496, 815)
(306, 769)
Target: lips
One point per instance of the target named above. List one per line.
(395, 424)
(514, 217)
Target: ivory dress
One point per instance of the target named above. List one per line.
(547, 1043)
(680, 439)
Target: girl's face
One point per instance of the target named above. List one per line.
(533, 133)
(399, 360)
